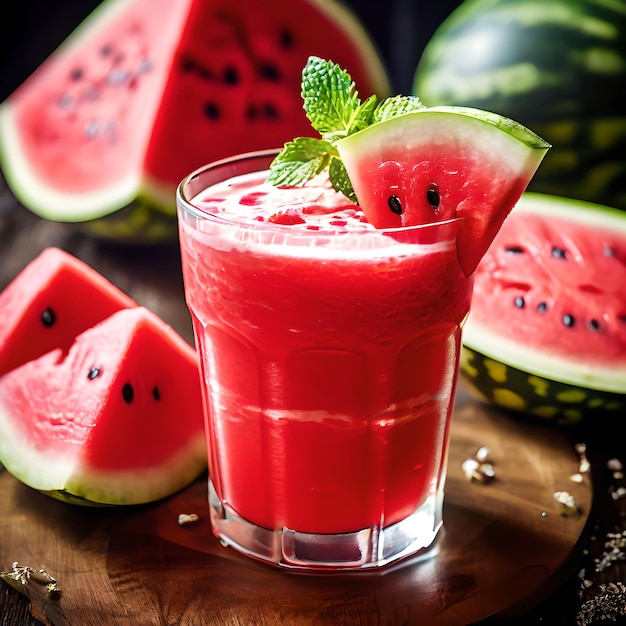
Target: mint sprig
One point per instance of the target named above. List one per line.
(333, 107)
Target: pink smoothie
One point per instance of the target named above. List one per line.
(330, 354)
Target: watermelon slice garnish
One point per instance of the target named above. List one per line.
(409, 165)
(442, 163)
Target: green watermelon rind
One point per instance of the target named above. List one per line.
(69, 477)
(141, 222)
(555, 43)
(524, 135)
(75, 484)
(607, 383)
(49, 203)
(522, 392)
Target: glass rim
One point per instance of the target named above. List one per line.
(183, 201)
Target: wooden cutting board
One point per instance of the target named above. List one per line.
(504, 545)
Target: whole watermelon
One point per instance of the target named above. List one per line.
(558, 67)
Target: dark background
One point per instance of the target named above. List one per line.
(31, 29)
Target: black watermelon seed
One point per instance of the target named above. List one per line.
(559, 253)
(594, 324)
(211, 110)
(76, 74)
(187, 64)
(514, 250)
(252, 112)
(269, 72)
(48, 317)
(608, 251)
(270, 111)
(156, 394)
(433, 197)
(519, 302)
(128, 393)
(542, 307)
(286, 39)
(568, 320)
(105, 51)
(94, 372)
(394, 204)
(231, 75)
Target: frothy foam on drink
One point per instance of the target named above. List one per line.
(313, 206)
(310, 220)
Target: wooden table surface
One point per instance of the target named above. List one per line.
(506, 554)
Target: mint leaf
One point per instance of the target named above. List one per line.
(362, 117)
(299, 161)
(339, 178)
(330, 98)
(333, 107)
(396, 105)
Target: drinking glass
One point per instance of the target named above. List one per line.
(329, 362)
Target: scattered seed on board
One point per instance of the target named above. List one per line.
(609, 604)
(616, 466)
(583, 466)
(482, 455)
(614, 551)
(27, 575)
(479, 468)
(187, 518)
(567, 502)
(617, 494)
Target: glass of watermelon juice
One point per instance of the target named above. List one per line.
(329, 355)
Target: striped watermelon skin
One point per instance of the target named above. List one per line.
(547, 332)
(558, 67)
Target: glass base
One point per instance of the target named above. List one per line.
(365, 549)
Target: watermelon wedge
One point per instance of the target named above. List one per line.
(115, 420)
(546, 335)
(146, 91)
(440, 163)
(52, 300)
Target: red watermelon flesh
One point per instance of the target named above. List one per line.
(146, 91)
(441, 163)
(550, 294)
(51, 301)
(116, 420)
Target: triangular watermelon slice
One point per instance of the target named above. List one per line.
(116, 420)
(53, 299)
(441, 163)
(146, 91)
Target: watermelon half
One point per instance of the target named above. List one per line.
(146, 91)
(441, 163)
(547, 331)
(53, 299)
(115, 420)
